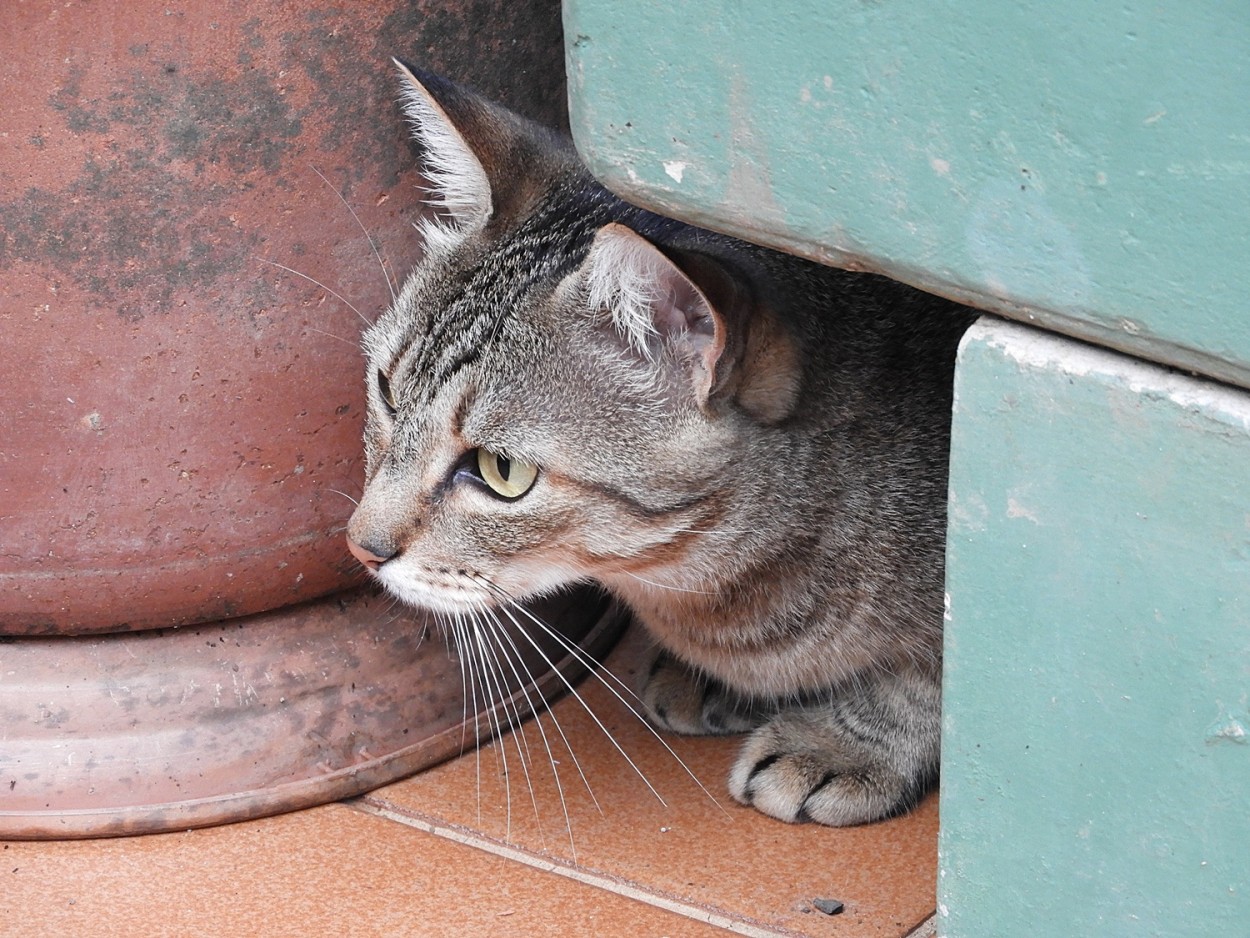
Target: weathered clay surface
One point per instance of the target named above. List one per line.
(169, 729)
(176, 413)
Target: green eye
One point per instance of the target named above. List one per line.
(510, 478)
(384, 392)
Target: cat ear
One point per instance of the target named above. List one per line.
(437, 110)
(654, 305)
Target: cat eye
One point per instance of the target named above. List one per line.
(509, 478)
(384, 392)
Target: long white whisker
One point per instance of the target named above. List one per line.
(337, 338)
(345, 495)
(668, 586)
(496, 696)
(501, 635)
(580, 699)
(559, 729)
(363, 230)
(572, 648)
(316, 282)
(468, 668)
(465, 690)
(568, 745)
(491, 650)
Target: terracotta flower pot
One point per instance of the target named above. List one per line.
(178, 412)
(180, 391)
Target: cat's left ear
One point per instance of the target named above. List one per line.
(442, 114)
(655, 306)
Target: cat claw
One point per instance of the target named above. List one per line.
(800, 785)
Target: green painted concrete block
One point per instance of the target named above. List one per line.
(1096, 747)
(1085, 166)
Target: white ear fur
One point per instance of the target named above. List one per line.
(457, 179)
(653, 304)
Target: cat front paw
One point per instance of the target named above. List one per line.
(795, 770)
(676, 698)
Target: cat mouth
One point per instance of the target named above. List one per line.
(444, 590)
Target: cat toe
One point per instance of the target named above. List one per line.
(676, 698)
(801, 783)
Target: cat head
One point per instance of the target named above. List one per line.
(566, 387)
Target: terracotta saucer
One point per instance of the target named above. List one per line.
(141, 732)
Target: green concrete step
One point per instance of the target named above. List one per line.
(1096, 738)
(1082, 166)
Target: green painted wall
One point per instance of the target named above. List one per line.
(1082, 165)
(1096, 747)
(1085, 167)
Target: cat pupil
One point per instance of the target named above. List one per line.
(505, 467)
(384, 391)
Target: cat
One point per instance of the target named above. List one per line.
(747, 448)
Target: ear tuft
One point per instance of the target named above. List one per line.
(653, 304)
(623, 275)
(458, 181)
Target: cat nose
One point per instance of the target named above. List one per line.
(368, 555)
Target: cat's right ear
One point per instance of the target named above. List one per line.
(654, 305)
(697, 316)
(441, 114)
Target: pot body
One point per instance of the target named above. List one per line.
(180, 393)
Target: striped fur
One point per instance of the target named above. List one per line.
(748, 448)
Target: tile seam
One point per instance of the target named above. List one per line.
(621, 887)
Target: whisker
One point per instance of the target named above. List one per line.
(363, 230)
(551, 666)
(587, 661)
(667, 586)
(331, 335)
(542, 732)
(315, 281)
(490, 653)
(573, 690)
(494, 693)
(468, 665)
(500, 635)
(345, 495)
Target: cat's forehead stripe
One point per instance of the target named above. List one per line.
(550, 243)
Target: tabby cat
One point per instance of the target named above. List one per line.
(747, 448)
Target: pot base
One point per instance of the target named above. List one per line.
(142, 732)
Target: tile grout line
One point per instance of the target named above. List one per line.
(579, 874)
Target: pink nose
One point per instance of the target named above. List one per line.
(366, 556)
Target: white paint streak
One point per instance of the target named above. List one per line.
(1044, 351)
(1017, 510)
(1228, 729)
(675, 169)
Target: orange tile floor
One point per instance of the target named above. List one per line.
(496, 843)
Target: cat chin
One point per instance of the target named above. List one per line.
(454, 593)
(440, 598)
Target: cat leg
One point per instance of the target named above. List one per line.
(679, 699)
(869, 752)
